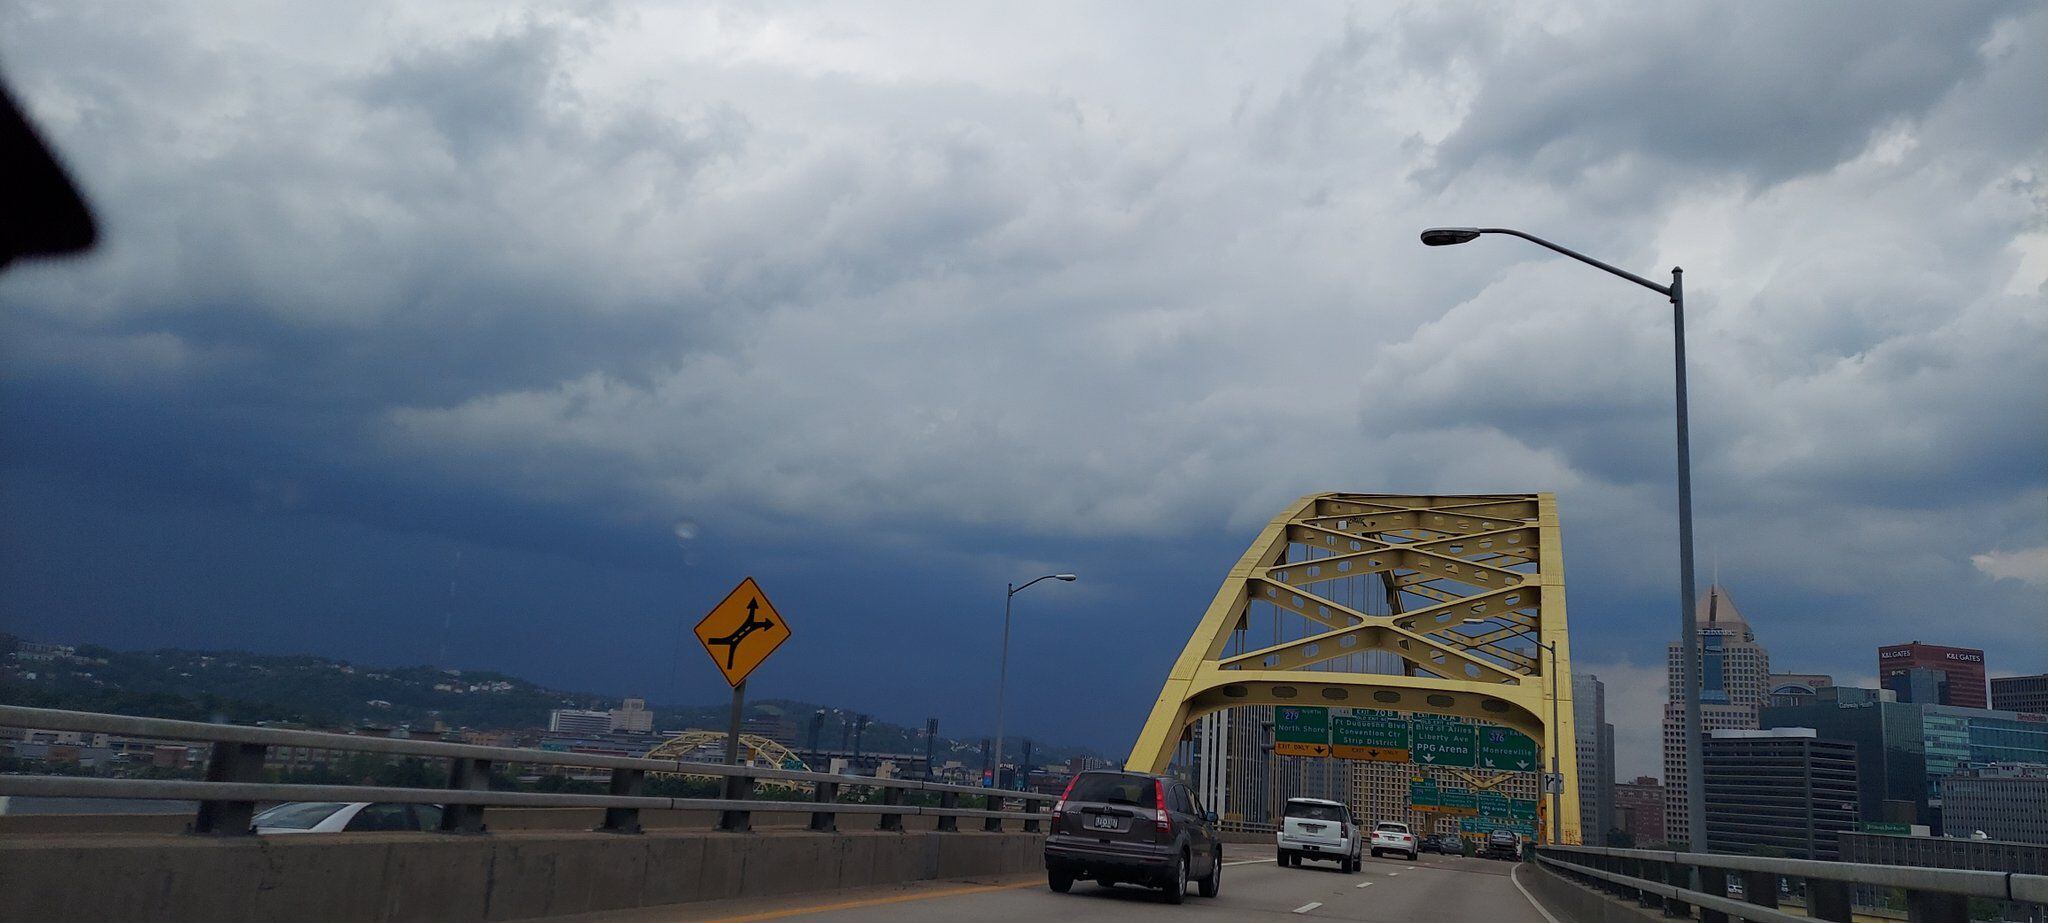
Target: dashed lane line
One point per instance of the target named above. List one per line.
(1366, 884)
(1311, 905)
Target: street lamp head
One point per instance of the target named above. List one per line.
(1444, 237)
(1070, 578)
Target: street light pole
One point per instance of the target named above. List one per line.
(1555, 784)
(1688, 631)
(1003, 672)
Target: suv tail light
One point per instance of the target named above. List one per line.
(1162, 820)
(1059, 808)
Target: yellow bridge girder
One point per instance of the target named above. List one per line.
(1495, 557)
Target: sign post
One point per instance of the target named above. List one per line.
(739, 633)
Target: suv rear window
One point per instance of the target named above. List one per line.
(1116, 788)
(1388, 827)
(1309, 810)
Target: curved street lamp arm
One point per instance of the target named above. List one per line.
(1034, 580)
(1664, 290)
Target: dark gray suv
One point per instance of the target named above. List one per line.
(1133, 827)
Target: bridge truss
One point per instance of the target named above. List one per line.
(1363, 600)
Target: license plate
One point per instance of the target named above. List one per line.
(1103, 822)
(1313, 848)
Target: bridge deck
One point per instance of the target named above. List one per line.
(1254, 887)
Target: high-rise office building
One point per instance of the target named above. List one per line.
(1904, 750)
(1956, 674)
(579, 722)
(1593, 738)
(2020, 693)
(1785, 789)
(632, 717)
(2004, 801)
(1735, 674)
(1639, 810)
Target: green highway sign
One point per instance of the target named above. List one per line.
(1884, 827)
(1442, 743)
(1423, 794)
(1370, 734)
(1505, 809)
(1457, 801)
(1490, 824)
(1301, 724)
(1501, 748)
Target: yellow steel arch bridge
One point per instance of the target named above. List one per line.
(1422, 604)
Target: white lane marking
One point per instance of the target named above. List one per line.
(1392, 874)
(1411, 868)
(1514, 876)
(1248, 862)
(1311, 905)
(1364, 885)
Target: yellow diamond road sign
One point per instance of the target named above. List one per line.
(742, 631)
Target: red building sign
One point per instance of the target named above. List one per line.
(1963, 667)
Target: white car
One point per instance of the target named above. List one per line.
(1312, 828)
(337, 816)
(1389, 836)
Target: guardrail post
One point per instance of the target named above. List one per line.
(947, 822)
(1828, 900)
(737, 820)
(465, 775)
(1936, 907)
(1615, 865)
(1677, 875)
(1648, 870)
(1031, 807)
(625, 820)
(992, 802)
(1760, 888)
(1715, 882)
(230, 763)
(891, 796)
(825, 793)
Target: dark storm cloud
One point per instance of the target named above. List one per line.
(477, 93)
(890, 305)
(1761, 92)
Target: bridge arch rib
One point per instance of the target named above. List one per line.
(1439, 561)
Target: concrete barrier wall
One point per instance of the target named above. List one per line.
(499, 819)
(1574, 902)
(437, 877)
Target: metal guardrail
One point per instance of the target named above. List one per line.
(1677, 882)
(233, 785)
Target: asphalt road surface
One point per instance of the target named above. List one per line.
(1433, 889)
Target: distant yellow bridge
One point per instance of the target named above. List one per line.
(1473, 593)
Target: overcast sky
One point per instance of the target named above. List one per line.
(548, 323)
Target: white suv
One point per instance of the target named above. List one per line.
(1389, 836)
(1313, 828)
